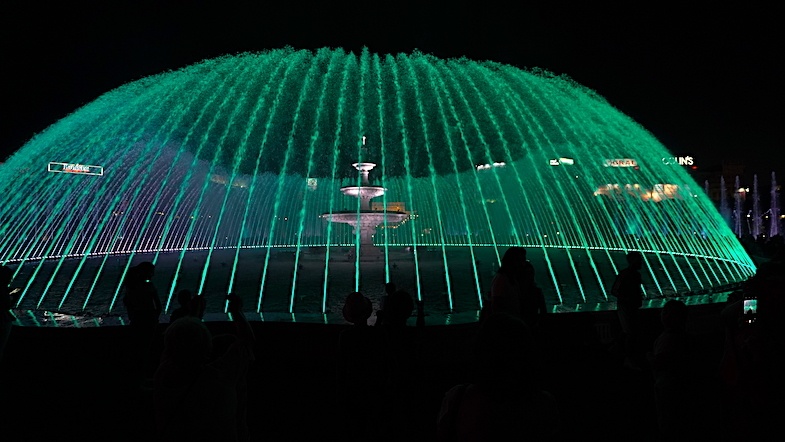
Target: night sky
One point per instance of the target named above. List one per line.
(705, 82)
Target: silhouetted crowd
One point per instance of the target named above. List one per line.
(198, 382)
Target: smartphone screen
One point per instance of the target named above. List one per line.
(750, 310)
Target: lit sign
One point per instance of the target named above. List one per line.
(391, 207)
(82, 169)
(681, 161)
(488, 166)
(656, 194)
(621, 162)
(562, 160)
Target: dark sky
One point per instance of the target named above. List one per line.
(706, 82)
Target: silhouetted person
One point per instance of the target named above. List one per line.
(401, 372)
(420, 313)
(629, 298)
(507, 284)
(754, 358)
(6, 304)
(201, 395)
(674, 371)
(514, 290)
(389, 289)
(189, 305)
(184, 299)
(358, 369)
(198, 305)
(398, 308)
(144, 309)
(532, 299)
(505, 400)
(141, 297)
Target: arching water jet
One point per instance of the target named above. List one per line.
(224, 172)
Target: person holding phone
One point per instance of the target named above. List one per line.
(143, 306)
(753, 358)
(200, 389)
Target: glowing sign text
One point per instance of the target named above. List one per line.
(681, 161)
(82, 169)
(562, 160)
(488, 166)
(620, 162)
(656, 194)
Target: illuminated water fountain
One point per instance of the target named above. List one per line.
(725, 210)
(364, 220)
(757, 219)
(223, 173)
(739, 194)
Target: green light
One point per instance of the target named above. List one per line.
(311, 149)
(274, 220)
(433, 176)
(224, 174)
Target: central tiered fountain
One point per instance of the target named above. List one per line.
(365, 219)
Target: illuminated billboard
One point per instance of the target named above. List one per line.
(562, 160)
(82, 169)
(681, 161)
(657, 193)
(620, 162)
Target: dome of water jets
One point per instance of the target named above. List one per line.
(225, 173)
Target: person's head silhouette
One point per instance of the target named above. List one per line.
(146, 270)
(188, 342)
(398, 308)
(674, 315)
(635, 260)
(184, 297)
(514, 260)
(357, 308)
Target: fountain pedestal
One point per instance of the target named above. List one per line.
(364, 221)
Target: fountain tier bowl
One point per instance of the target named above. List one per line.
(366, 218)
